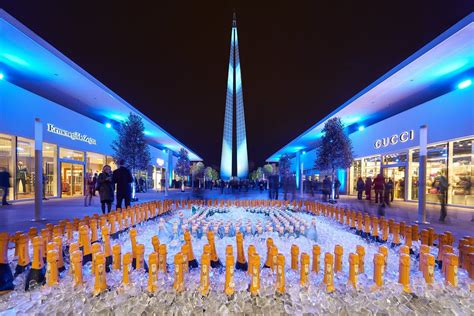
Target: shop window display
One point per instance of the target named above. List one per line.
(25, 169)
(461, 173)
(436, 167)
(6, 161)
(50, 178)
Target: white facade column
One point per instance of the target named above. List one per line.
(422, 174)
(38, 170)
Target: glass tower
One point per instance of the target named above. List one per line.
(234, 96)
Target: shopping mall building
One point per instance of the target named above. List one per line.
(77, 119)
(433, 87)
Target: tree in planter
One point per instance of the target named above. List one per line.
(211, 174)
(183, 166)
(335, 149)
(284, 167)
(131, 146)
(267, 172)
(197, 171)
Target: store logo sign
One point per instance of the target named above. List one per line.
(403, 137)
(72, 135)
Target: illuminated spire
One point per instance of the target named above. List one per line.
(234, 87)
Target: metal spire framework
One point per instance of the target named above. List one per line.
(234, 88)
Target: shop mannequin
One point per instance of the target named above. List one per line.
(21, 176)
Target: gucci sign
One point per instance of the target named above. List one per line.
(403, 137)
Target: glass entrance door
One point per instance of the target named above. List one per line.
(72, 179)
(397, 174)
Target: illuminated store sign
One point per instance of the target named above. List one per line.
(72, 135)
(394, 139)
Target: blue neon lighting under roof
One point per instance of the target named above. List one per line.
(464, 84)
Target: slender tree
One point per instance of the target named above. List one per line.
(182, 166)
(284, 167)
(335, 149)
(130, 144)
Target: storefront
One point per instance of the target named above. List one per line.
(433, 88)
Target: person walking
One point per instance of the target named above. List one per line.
(368, 188)
(124, 179)
(105, 186)
(90, 188)
(379, 183)
(4, 184)
(337, 186)
(441, 185)
(360, 188)
(94, 180)
(327, 184)
(388, 190)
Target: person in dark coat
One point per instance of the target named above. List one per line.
(379, 183)
(337, 187)
(388, 191)
(360, 188)
(368, 188)
(105, 187)
(4, 184)
(327, 185)
(124, 179)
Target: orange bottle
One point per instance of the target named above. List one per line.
(192, 262)
(127, 261)
(85, 243)
(375, 228)
(152, 272)
(273, 255)
(379, 263)
(107, 247)
(404, 272)
(424, 249)
(329, 272)
(140, 257)
(94, 235)
(384, 251)
(353, 269)
(428, 268)
(52, 274)
(184, 253)
(254, 259)
(338, 251)
(59, 244)
(100, 284)
(178, 273)
(268, 262)
(294, 256)
(396, 235)
(133, 241)
(155, 241)
(205, 266)
(38, 249)
(23, 254)
(162, 259)
(316, 254)
(384, 231)
(451, 261)
(76, 265)
(280, 286)
(250, 251)
(408, 236)
(229, 287)
(215, 262)
(117, 256)
(304, 271)
(361, 253)
(241, 263)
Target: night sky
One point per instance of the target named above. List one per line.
(299, 59)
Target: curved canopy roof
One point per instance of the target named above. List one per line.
(432, 71)
(28, 61)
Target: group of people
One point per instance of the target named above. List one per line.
(105, 183)
(383, 188)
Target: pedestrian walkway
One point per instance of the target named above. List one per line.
(18, 216)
